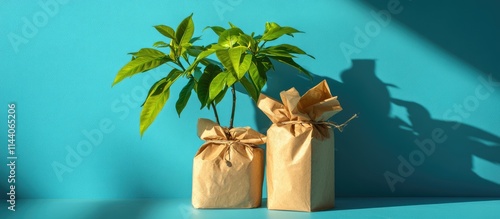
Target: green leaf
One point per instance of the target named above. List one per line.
(173, 75)
(194, 39)
(194, 50)
(270, 26)
(166, 31)
(229, 37)
(217, 85)
(271, 52)
(161, 44)
(274, 31)
(207, 61)
(217, 29)
(221, 95)
(185, 30)
(244, 65)
(147, 52)
(250, 88)
(197, 74)
(258, 75)
(231, 79)
(247, 41)
(201, 56)
(204, 54)
(287, 48)
(161, 87)
(292, 63)
(206, 78)
(154, 104)
(157, 87)
(184, 96)
(225, 59)
(139, 64)
(232, 25)
(235, 57)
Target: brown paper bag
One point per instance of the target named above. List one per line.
(228, 169)
(300, 149)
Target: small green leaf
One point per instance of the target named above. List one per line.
(287, 48)
(217, 85)
(225, 59)
(235, 55)
(154, 104)
(257, 75)
(139, 64)
(200, 58)
(232, 25)
(166, 31)
(173, 75)
(271, 52)
(204, 54)
(194, 39)
(244, 65)
(231, 79)
(185, 30)
(250, 88)
(271, 26)
(229, 37)
(147, 52)
(206, 78)
(274, 31)
(292, 63)
(207, 61)
(217, 29)
(161, 44)
(184, 96)
(221, 95)
(156, 88)
(247, 41)
(194, 50)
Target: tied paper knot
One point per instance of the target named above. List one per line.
(229, 144)
(213, 133)
(322, 123)
(315, 108)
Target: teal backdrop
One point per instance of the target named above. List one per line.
(423, 76)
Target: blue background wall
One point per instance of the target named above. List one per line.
(417, 73)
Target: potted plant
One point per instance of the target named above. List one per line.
(240, 58)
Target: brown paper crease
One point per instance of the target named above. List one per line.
(300, 149)
(228, 169)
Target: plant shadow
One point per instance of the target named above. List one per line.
(466, 29)
(378, 155)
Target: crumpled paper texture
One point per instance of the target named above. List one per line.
(228, 169)
(300, 152)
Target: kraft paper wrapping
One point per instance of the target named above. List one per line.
(300, 149)
(228, 169)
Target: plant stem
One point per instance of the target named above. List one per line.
(215, 113)
(213, 105)
(233, 108)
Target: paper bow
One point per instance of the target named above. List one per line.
(211, 131)
(317, 104)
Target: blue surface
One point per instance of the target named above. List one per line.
(428, 126)
(399, 208)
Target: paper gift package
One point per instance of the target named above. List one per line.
(228, 169)
(300, 149)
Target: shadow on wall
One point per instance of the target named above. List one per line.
(380, 155)
(467, 29)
